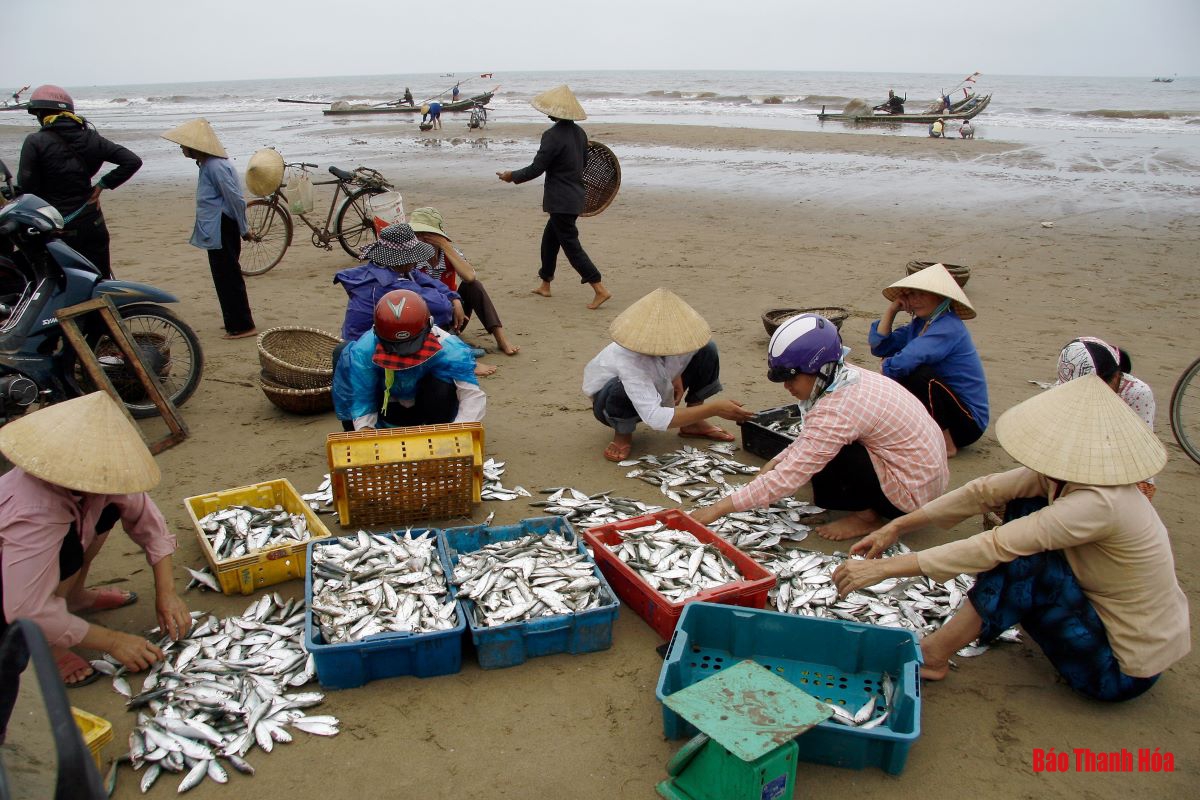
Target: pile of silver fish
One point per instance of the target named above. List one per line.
(521, 579)
(674, 563)
(493, 489)
(371, 584)
(789, 425)
(919, 604)
(321, 501)
(589, 510)
(240, 530)
(865, 717)
(220, 691)
(689, 466)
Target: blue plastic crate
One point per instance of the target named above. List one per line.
(513, 643)
(386, 655)
(836, 662)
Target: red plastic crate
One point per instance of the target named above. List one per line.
(658, 611)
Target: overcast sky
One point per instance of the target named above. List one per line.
(90, 42)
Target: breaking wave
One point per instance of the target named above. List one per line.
(1110, 113)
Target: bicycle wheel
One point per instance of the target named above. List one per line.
(1185, 411)
(355, 225)
(271, 234)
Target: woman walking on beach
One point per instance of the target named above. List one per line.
(562, 157)
(220, 222)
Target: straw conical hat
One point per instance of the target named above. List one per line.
(660, 324)
(264, 173)
(198, 135)
(559, 103)
(1081, 432)
(937, 280)
(85, 444)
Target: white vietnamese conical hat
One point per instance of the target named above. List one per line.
(560, 103)
(660, 324)
(264, 173)
(198, 135)
(1081, 432)
(935, 279)
(86, 444)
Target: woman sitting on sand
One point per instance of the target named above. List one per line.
(933, 356)
(451, 267)
(662, 351)
(1090, 577)
(867, 445)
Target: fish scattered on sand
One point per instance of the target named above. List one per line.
(493, 489)
(589, 510)
(321, 501)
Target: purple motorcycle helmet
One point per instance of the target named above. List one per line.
(806, 344)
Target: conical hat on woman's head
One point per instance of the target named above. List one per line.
(86, 444)
(560, 103)
(660, 324)
(264, 173)
(935, 279)
(198, 135)
(1081, 432)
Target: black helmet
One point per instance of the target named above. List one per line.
(49, 97)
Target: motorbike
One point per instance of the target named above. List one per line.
(40, 274)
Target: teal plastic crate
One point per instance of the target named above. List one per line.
(346, 665)
(513, 643)
(836, 662)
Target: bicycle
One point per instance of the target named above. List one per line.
(1185, 412)
(478, 117)
(270, 219)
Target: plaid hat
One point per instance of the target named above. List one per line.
(406, 355)
(398, 246)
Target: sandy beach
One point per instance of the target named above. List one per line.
(764, 220)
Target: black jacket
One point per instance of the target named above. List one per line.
(58, 162)
(562, 157)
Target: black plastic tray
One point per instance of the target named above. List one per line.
(760, 440)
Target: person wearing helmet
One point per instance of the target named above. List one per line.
(405, 371)
(933, 356)
(867, 445)
(58, 162)
(662, 352)
(80, 467)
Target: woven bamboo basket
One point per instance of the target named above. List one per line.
(297, 357)
(960, 273)
(601, 178)
(297, 401)
(774, 318)
(154, 349)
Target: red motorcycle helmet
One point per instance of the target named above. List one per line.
(49, 97)
(402, 329)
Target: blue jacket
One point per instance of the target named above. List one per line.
(217, 193)
(946, 348)
(368, 283)
(358, 382)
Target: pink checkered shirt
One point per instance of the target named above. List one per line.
(904, 443)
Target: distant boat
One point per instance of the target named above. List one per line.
(964, 109)
(461, 105)
(1162, 80)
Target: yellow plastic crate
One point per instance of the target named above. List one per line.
(402, 475)
(96, 732)
(248, 573)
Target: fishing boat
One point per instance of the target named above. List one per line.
(14, 107)
(392, 108)
(965, 109)
(1162, 80)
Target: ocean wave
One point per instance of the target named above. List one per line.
(827, 99)
(1111, 113)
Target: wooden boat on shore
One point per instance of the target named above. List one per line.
(964, 109)
(461, 105)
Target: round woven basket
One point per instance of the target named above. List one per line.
(297, 357)
(601, 178)
(960, 274)
(297, 401)
(155, 351)
(774, 318)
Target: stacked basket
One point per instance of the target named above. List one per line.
(297, 368)
(960, 273)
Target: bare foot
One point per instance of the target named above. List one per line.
(543, 290)
(241, 334)
(851, 526)
(502, 342)
(483, 370)
(951, 450)
(602, 295)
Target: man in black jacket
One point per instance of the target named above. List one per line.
(57, 164)
(562, 157)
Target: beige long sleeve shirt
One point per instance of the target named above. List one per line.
(1113, 540)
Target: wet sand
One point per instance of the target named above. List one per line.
(800, 226)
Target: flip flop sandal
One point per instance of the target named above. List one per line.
(616, 453)
(69, 664)
(108, 599)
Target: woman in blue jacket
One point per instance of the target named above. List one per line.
(933, 356)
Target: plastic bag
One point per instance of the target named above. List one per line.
(300, 193)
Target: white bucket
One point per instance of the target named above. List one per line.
(387, 209)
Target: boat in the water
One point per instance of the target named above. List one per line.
(461, 105)
(14, 107)
(1162, 80)
(963, 109)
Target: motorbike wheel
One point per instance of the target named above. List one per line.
(168, 344)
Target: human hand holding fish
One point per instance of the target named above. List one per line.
(173, 616)
(875, 543)
(134, 652)
(858, 573)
